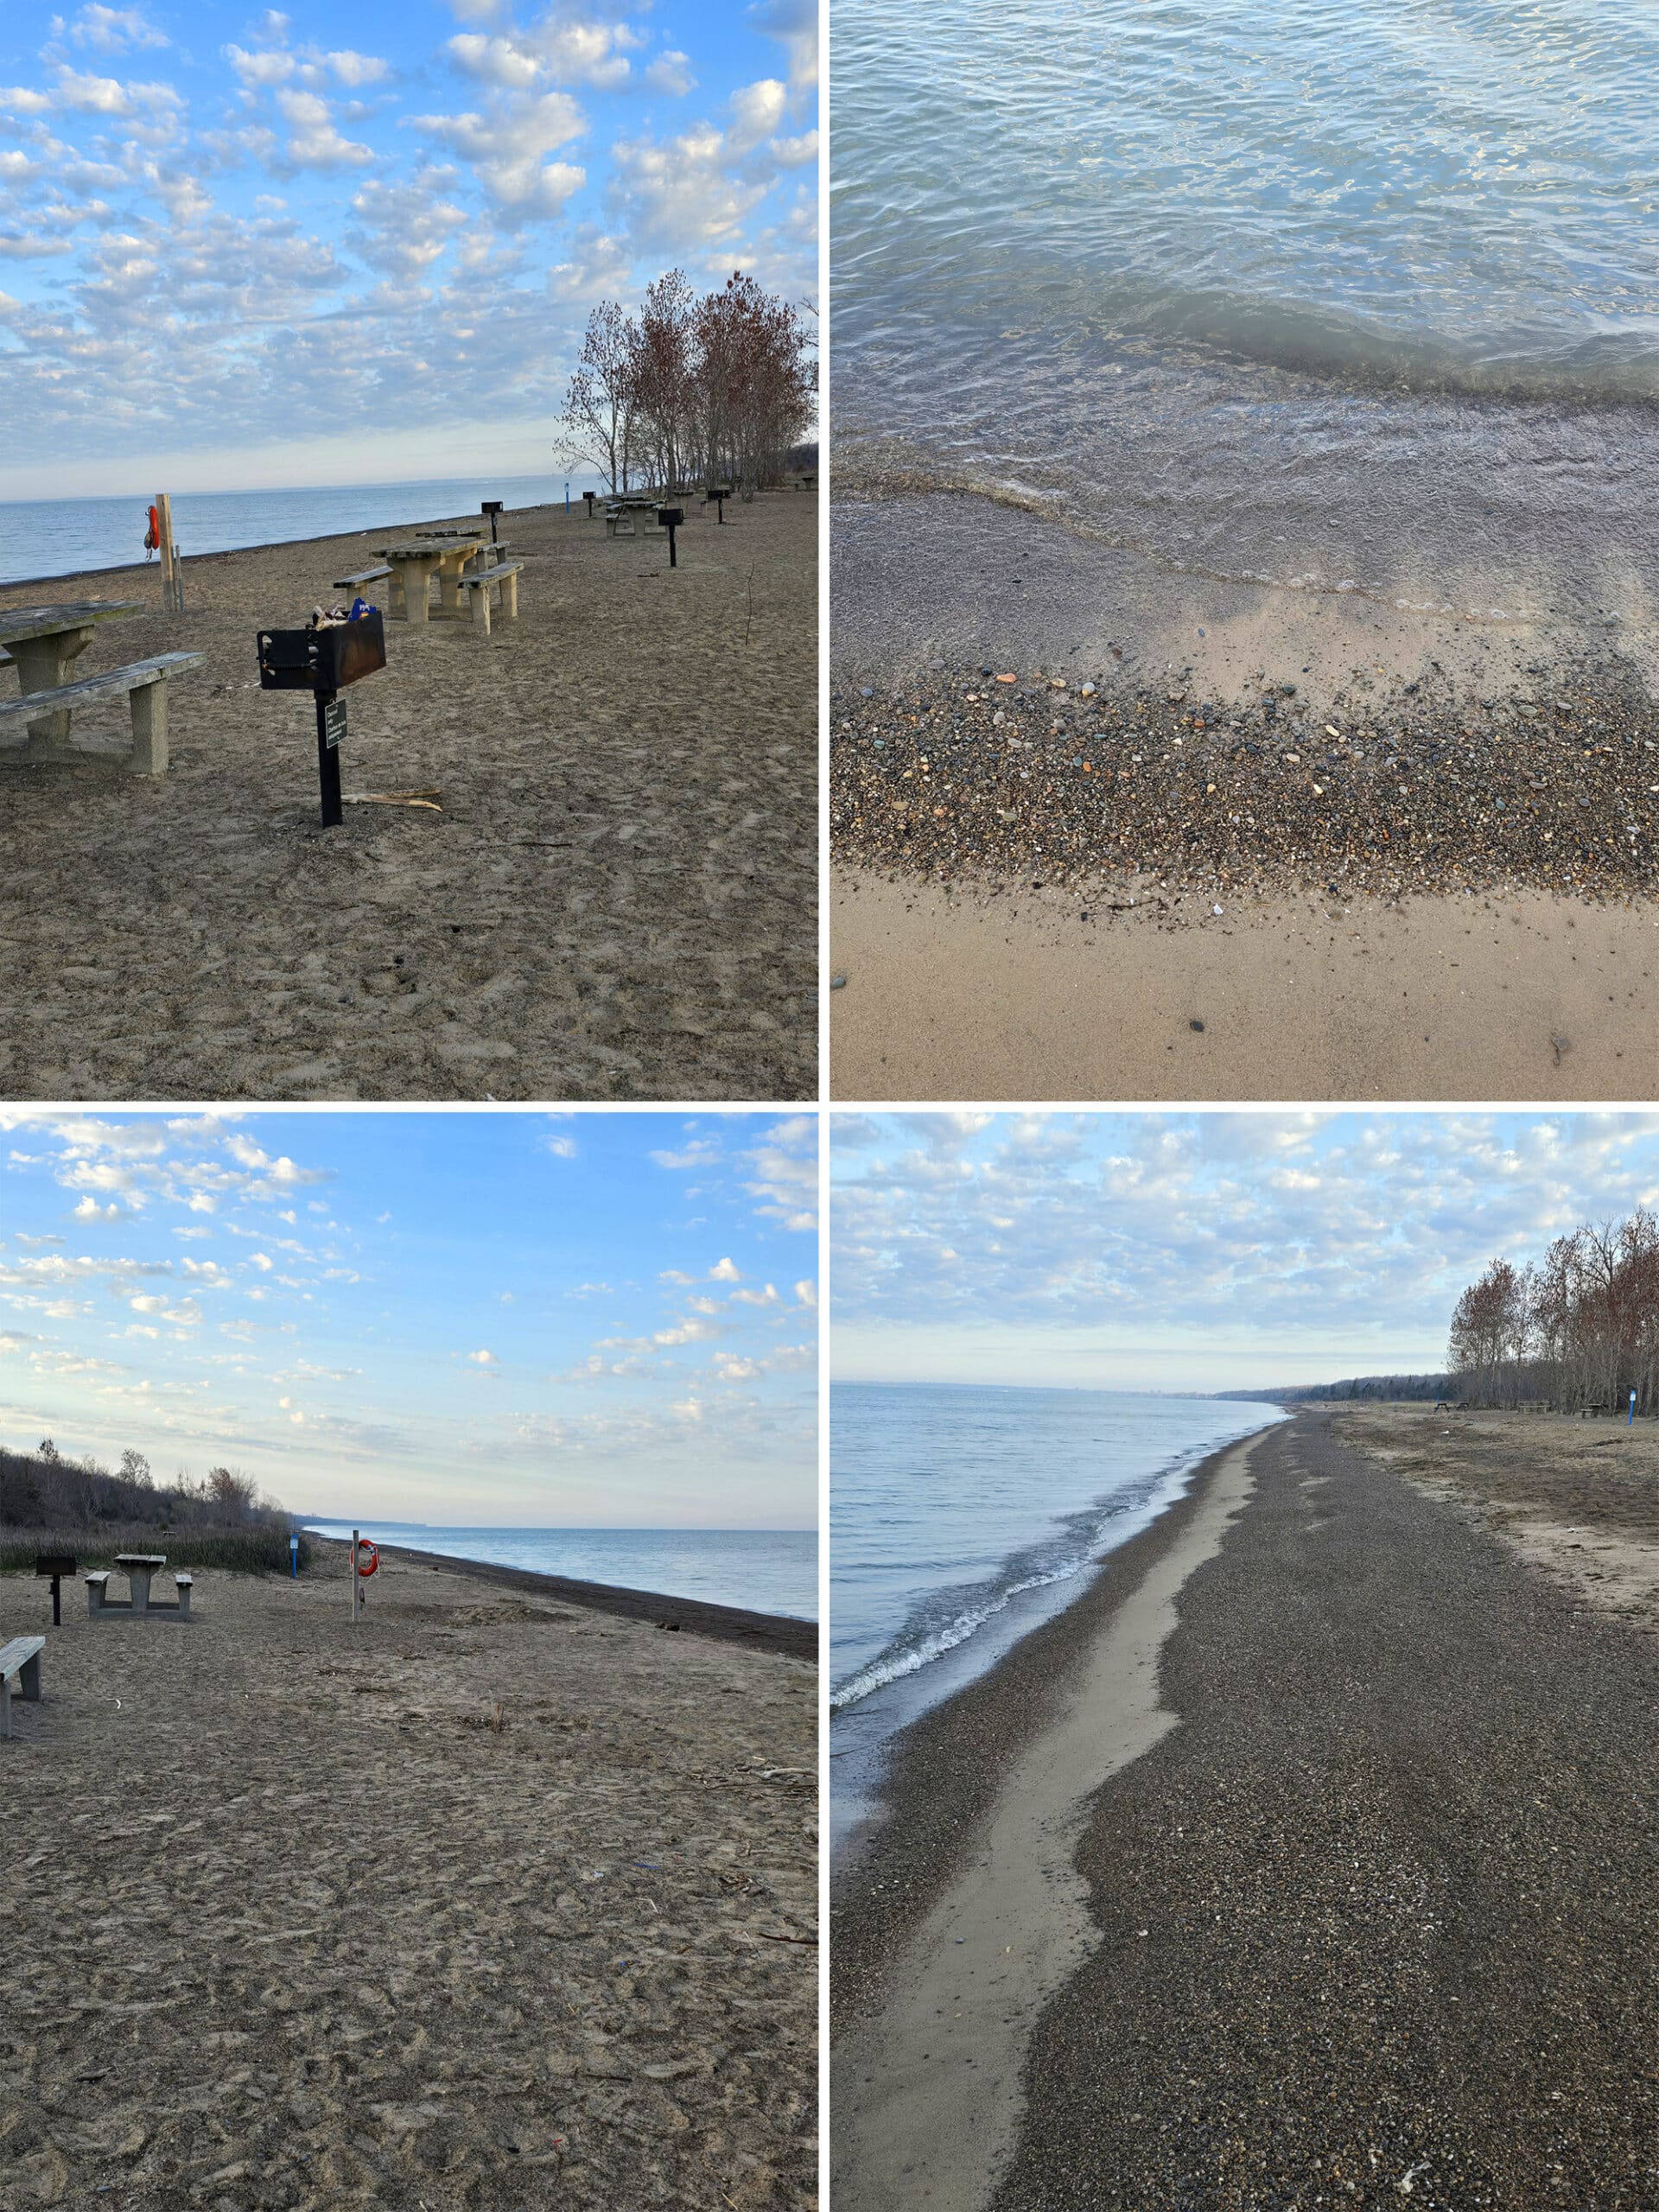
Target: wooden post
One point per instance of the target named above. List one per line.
(172, 591)
(354, 1536)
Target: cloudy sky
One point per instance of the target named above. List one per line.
(600, 1320)
(241, 247)
(1194, 1251)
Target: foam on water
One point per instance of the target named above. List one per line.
(961, 1518)
(1360, 294)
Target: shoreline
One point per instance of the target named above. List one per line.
(781, 1634)
(992, 1937)
(1368, 1902)
(187, 561)
(941, 1771)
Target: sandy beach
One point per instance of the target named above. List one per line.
(493, 1901)
(616, 900)
(1303, 1861)
(1023, 994)
(1071, 783)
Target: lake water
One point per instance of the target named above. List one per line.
(763, 1570)
(1362, 293)
(962, 1517)
(48, 537)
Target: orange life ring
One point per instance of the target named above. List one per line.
(153, 536)
(364, 1545)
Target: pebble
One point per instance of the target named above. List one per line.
(1425, 790)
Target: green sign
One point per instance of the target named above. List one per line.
(333, 720)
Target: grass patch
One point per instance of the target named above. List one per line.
(239, 1551)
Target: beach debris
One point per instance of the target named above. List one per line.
(1406, 2184)
(427, 796)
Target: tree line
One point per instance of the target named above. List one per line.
(715, 389)
(1360, 1388)
(1579, 1328)
(46, 1489)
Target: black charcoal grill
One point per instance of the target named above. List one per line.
(324, 662)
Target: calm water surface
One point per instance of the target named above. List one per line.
(1312, 293)
(764, 1570)
(48, 537)
(961, 1518)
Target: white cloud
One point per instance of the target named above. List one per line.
(670, 73)
(108, 30)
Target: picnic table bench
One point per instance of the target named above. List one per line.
(44, 643)
(141, 683)
(478, 587)
(138, 1567)
(20, 1663)
(363, 576)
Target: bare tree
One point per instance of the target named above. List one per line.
(599, 405)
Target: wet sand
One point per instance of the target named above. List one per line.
(1370, 1919)
(951, 995)
(292, 1921)
(616, 901)
(1187, 743)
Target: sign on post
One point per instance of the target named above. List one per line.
(293, 1556)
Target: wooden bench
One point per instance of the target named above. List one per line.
(478, 589)
(20, 1662)
(363, 576)
(143, 683)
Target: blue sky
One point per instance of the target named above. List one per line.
(244, 247)
(1194, 1251)
(603, 1320)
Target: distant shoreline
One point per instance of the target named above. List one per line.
(781, 1634)
(187, 561)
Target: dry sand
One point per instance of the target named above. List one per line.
(1523, 996)
(1578, 1499)
(1335, 771)
(616, 900)
(291, 1923)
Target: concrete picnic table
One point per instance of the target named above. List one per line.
(45, 643)
(412, 564)
(138, 1567)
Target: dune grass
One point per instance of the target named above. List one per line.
(239, 1551)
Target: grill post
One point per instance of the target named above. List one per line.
(330, 708)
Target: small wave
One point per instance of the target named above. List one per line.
(893, 1664)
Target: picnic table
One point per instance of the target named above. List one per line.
(441, 554)
(138, 1567)
(45, 642)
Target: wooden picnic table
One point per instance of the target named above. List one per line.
(412, 564)
(45, 642)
